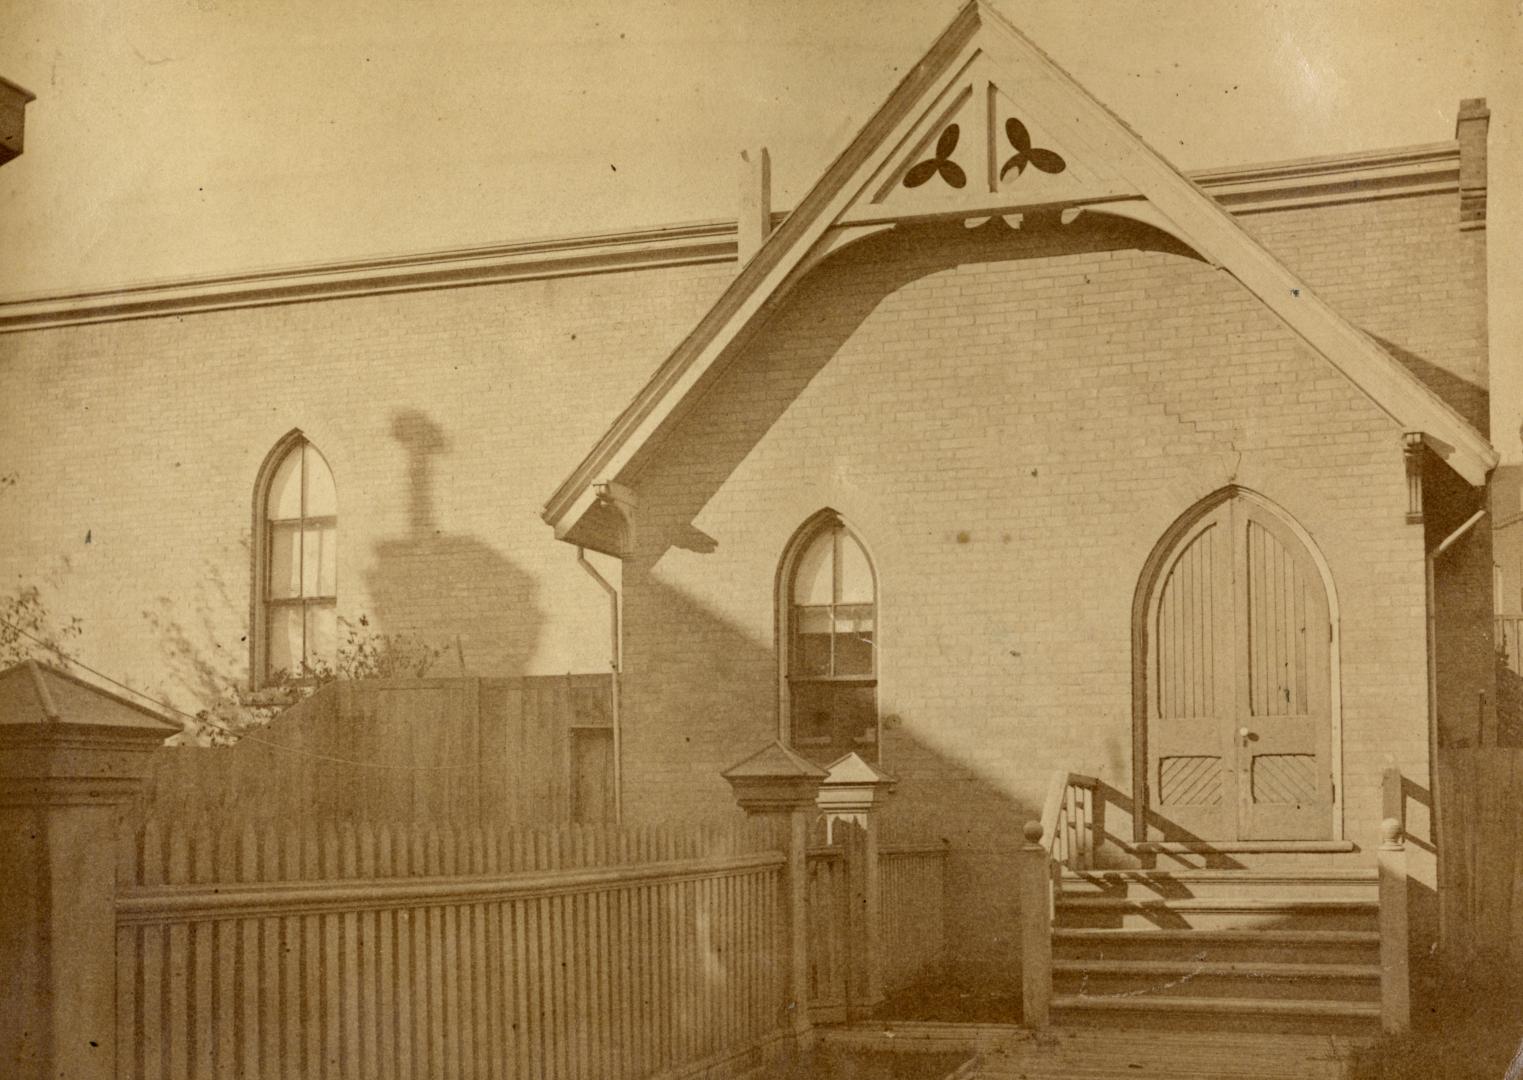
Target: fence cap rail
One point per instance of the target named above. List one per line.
(224, 900)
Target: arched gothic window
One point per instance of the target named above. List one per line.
(831, 656)
(296, 564)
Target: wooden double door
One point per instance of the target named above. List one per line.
(1236, 674)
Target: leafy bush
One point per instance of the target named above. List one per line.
(363, 654)
(28, 631)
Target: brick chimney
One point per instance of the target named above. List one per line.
(1470, 131)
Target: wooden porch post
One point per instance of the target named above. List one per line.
(1034, 890)
(776, 781)
(1395, 985)
(70, 755)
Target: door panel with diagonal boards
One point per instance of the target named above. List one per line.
(1238, 716)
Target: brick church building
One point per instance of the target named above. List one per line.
(1010, 448)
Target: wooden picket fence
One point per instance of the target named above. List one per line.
(428, 952)
(913, 918)
(1480, 823)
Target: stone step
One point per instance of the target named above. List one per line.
(1217, 913)
(1187, 978)
(1218, 946)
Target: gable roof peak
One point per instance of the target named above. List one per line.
(1038, 140)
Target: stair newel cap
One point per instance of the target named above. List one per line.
(63, 740)
(1033, 833)
(774, 780)
(1390, 834)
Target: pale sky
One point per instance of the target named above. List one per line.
(175, 138)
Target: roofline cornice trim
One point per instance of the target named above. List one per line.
(680, 245)
(1431, 168)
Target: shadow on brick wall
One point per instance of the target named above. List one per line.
(431, 578)
(820, 316)
(1467, 398)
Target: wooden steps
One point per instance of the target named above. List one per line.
(1217, 912)
(1169, 968)
(1330, 882)
(1224, 1006)
(1291, 950)
(1225, 946)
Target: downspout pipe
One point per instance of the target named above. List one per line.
(1449, 541)
(615, 664)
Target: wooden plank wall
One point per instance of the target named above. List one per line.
(461, 750)
(418, 952)
(912, 917)
(1480, 822)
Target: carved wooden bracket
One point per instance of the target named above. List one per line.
(1412, 449)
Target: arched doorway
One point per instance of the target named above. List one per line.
(1234, 690)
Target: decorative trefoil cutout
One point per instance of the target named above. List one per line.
(942, 164)
(1046, 161)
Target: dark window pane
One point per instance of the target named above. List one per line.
(811, 650)
(854, 640)
(856, 716)
(830, 720)
(811, 715)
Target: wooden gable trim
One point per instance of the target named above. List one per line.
(1173, 201)
(762, 281)
(1209, 228)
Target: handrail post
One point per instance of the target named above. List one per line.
(1035, 894)
(1392, 797)
(1395, 987)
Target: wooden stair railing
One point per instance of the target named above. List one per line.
(1395, 980)
(1068, 820)
(1063, 837)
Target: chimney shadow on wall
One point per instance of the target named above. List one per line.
(430, 579)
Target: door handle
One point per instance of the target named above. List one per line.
(1243, 733)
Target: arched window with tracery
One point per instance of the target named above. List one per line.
(830, 611)
(296, 564)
